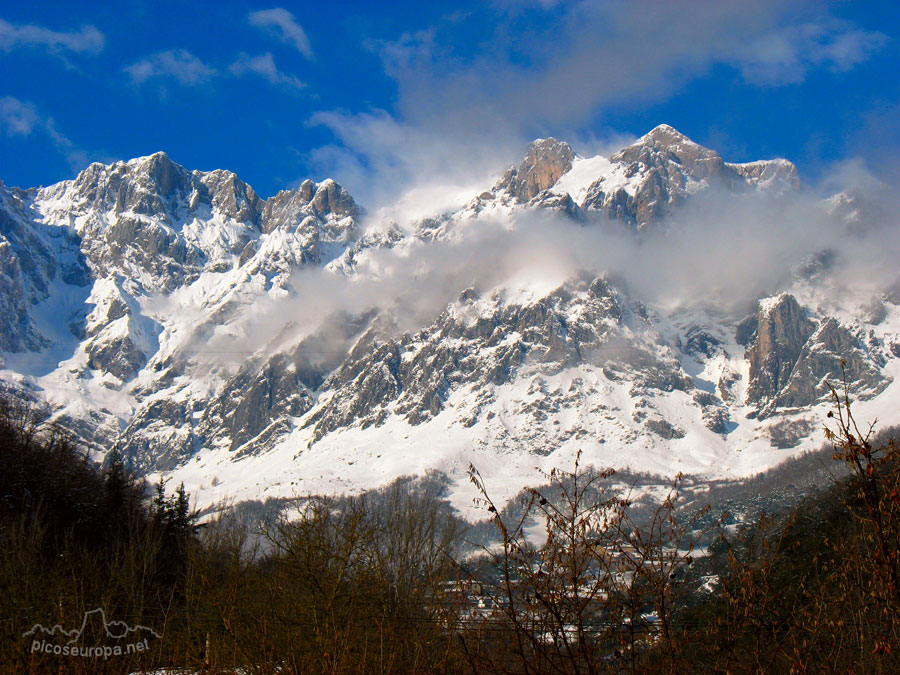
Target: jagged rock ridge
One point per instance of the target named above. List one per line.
(137, 282)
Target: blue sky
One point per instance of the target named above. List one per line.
(384, 95)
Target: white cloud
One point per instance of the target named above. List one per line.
(786, 56)
(519, 5)
(264, 66)
(177, 65)
(457, 116)
(281, 23)
(722, 250)
(86, 40)
(182, 67)
(17, 118)
(599, 54)
(22, 118)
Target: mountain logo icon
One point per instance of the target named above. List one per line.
(94, 626)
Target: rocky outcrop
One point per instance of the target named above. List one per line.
(563, 204)
(154, 222)
(147, 186)
(254, 398)
(793, 359)
(639, 185)
(289, 207)
(16, 332)
(119, 339)
(33, 258)
(229, 195)
(119, 356)
(830, 353)
(663, 168)
(479, 343)
(781, 333)
(160, 436)
(130, 218)
(774, 173)
(664, 429)
(545, 162)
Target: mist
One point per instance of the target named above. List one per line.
(554, 69)
(720, 252)
(458, 122)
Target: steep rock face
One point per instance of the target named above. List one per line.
(160, 436)
(289, 207)
(662, 169)
(32, 260)
(119, 338)
(546, 161)
(148, 186)
(252, 408)
(820, 364)
(145, 219)
(230, 196)
(313, 224)
(35, 259)
(16, 332)
(793, 359)
(254, 398)
(116, 354)
(781, 333)
(159, 225)
(486, 342)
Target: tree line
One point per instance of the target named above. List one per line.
(574, 579)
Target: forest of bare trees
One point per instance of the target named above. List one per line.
(572, 578)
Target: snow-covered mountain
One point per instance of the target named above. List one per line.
(259, 348)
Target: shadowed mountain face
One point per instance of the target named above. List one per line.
(155, 308)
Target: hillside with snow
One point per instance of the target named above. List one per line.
(659, 309)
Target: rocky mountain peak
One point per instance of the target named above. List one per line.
(306, 190)
(546, 160)
(164, 174)
(151, 219)
(768, 173)
(146, 185)
(232, 196)
(664, 147)
(664, 136)
(322, 200)
(330, 197)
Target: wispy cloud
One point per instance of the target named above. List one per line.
(86, 40)
(281, 23)
(582, 58)
(179, 66)
(17, 118)
(173, 65)
(264, 66)
(786, 56)
(722, 249)
(22, 118)
(599, 54)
